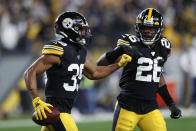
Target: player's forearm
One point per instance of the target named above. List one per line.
(175, 111)
(103, 71)
(164, 93)
(31, 82)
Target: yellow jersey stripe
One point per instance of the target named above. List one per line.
(48, 47)
(119, 44)
(149, 14)
(123, 41)
(52, 51)
(53, 46)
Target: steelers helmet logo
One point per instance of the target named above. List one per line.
(67, 23)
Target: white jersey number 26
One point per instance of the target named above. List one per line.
(150, 67)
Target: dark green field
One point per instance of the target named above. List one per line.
(183, 124)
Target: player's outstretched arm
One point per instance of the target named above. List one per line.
(42, 64)
(113, 55)
(163, 92)
(99, 72)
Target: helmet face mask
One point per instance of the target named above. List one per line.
(149, 26)
(72, 26)
(84, 32)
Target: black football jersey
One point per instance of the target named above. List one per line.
(63, 80)
(140, 78)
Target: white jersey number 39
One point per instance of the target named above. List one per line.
(78, 75)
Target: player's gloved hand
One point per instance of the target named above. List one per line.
(131, 50)
(40, 107)
(175, 112)
(124, 60)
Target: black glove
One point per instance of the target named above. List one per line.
(131, 50)
(175, 112)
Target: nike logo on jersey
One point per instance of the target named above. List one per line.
(153, 53)
(78, 56)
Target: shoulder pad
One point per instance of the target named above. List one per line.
(165, 43)
(165, 48)
(54, 48)
(127, 39)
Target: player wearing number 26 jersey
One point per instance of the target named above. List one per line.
(64, 61)
(142, 78)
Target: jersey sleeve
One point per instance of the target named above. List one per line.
(165, 48)
(123, 40)
(53, 48)
(127, 39)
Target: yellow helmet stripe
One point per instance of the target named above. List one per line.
(149, 14)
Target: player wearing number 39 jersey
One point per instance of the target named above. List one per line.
(142, 78)
(64, 62)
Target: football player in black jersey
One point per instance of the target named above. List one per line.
(142, 78)
(64, 62)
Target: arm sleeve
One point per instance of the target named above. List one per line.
(164, 93)
(113, 55)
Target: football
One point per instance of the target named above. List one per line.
(51, 117)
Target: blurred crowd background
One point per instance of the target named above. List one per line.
(25, 25)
